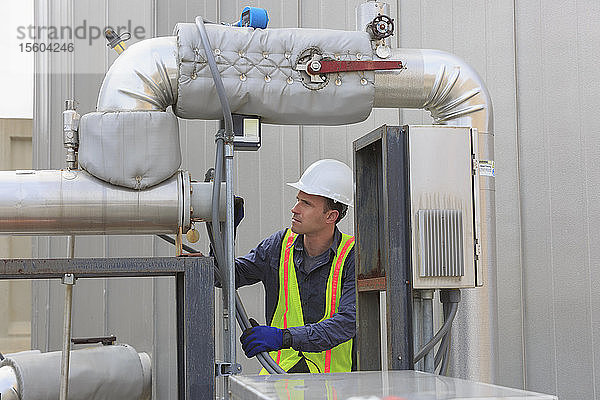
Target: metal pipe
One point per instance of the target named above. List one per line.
(427, 298)
(68, 281)
(142, 78)
(241, 316)
(230, 258)
(417, 325)
(454, 94)
(62, 202)
(202, 201)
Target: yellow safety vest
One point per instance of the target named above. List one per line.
(288, 312)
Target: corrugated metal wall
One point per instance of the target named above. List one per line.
(539, 60)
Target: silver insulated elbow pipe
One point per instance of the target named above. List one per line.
(143, 78)
(454, 94)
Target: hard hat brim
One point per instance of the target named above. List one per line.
(300, 186)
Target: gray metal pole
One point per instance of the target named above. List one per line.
(417, 325)
(68, 280)
(229, 322)
(427, 296)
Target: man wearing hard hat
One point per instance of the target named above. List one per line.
(308, 274)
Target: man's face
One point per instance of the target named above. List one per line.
(309, 215)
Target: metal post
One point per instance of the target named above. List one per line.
(417, 318)
(68, 280)
(229, 334)
(427, 296)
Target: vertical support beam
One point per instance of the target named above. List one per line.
(180, 311)
(199, 331)
(397, 248)
(229, 290)
(382, 227)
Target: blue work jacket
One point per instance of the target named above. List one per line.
(261, 264)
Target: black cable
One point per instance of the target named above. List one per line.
(241, 316)
(1, 357)
(169, 239)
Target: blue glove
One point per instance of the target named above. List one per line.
(261, 338)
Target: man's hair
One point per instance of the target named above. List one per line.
(341, 208)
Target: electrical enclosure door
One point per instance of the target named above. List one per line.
(444, 209)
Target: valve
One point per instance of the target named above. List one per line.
(381, 27)
(116, 41)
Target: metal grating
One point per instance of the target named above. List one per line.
(441, 251)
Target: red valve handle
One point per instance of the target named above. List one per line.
(329, 66)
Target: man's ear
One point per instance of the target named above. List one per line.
(332, 216)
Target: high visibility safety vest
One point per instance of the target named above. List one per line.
(288, 312)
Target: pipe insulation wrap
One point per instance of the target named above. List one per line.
(96, 373)
(136, 149)
(258, 69)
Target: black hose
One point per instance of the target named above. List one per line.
(446, 358)
(444, 343)
(244, 322)
(438, 336)
(241, 316)
(217, 239)
(210, 58)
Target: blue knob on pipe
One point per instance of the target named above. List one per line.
(254, 17)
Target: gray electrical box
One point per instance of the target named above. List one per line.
(444, 208)
(416, 223)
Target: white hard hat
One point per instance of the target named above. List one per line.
(327, 178)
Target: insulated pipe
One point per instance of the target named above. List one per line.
(454, 94)
(59, 202)
(101, 372)
(143, 78)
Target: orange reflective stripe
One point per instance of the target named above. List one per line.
(286, 264)
(334, 285)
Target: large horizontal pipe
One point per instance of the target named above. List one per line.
(116, 371)
(65, 202)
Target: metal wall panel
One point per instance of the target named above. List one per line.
(542, 82)
(557, 189)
